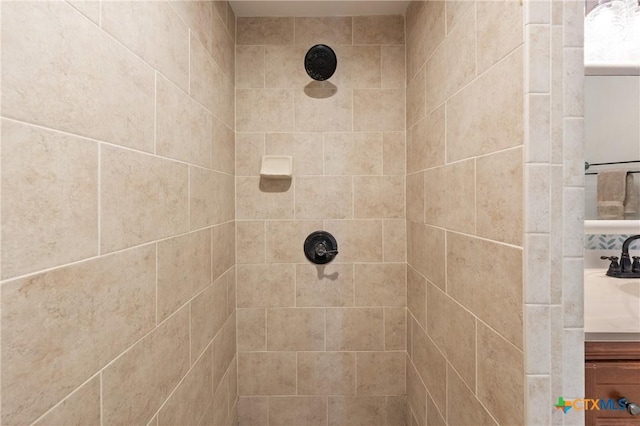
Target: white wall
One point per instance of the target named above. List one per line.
(612, 128)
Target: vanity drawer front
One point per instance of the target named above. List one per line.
(612, 380)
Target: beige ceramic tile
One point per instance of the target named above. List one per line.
(379, 197)
(209, 85)
(324, 285)
(165, 45)
(455, 9)
(452, 329)
(426, 142)
(358, 240)
(538, 52)
(434, 417)
(380, 284)
(416, 92)
(284, 239)
(208, 315)
(223, 46)
(557, 98)
(426, 33)
(415, 197)
(357, 410)
(326, 30)
(425, 251)
(82, 407)
(499, 31)
(393, 67)
(323, 110)
(298, 410)
(354, 329)
(253, 410)
(496, 353)
(416, 394)
(183, 270)
(396, 407)
(353, 153)
(295, 329)
(191, 398)
(573, 24)
(538, 343)
(380, 373)
(49, 199)
(303, 147)
(224, 350)
(262, 286)
(538, 394)
(333, 199)
(538, 12)
(143, 198)
(475, 412)
(223, 250)
(395, 329)
(263, 199)
(211, 197)
(573, 82)
(475, 126)
(393, 153)
(450, 196)
(415, 10)
(252, 330)
(437, 77)
(284, 67)
(326, 373)
(131, 393)
(475, 283)
(411, 324)
(264, 110)
(378, 109)
(538, 128)
(394, 244)
(417, 295)
(85, 329)
(383, 29)
(267, 373)
(108, 92)
(264, 30)
(499, 209)
(359, 67)
(249, 152)
(250, 67)
(217, 413)
(90, 9)
(222, 147)
(431, 366)
(198, 15)
(220, 7)
(250, 240)
(460, 47)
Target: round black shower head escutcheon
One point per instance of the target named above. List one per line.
(320, 62)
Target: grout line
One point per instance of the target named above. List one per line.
(115, 145)
(101, 400)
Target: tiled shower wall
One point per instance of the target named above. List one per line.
(465, 136)
(323, 344)
(118, 268)
(494, 108)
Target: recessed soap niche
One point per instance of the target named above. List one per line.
(276, 167)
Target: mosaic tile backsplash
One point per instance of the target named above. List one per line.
(608, 242)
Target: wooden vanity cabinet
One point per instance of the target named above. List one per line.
(612, 370)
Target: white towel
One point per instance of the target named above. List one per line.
(612, 190)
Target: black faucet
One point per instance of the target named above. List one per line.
(626, 268)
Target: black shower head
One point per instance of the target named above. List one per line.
(320, 62)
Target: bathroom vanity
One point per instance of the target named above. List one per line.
(612, 347)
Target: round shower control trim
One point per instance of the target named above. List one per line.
(320, 247)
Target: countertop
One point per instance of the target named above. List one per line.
(611, 307)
